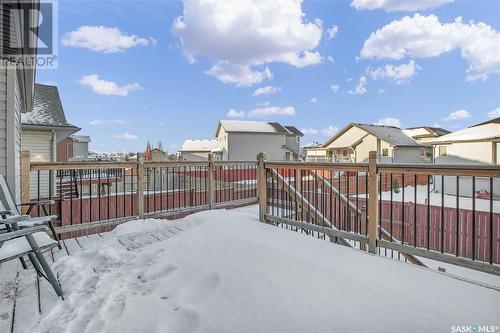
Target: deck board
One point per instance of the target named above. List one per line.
(26, 302)
(8, 286)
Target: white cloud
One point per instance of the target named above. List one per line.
(335, 88)
(398, 74)
(381, 91)
(398, 5)
(425, 37)
(360, 87)
(330, 130)
(232, 113)
(330, 59)
(332, 32)
(309, 131)
(395, 122)
(269, 90)
(108, 88)
(236, 36)
(458, 115)
(162, 124)
(126, 136)
(239, 75)
(101, 122)
(272, 111)
(103, 39)
(313, 100)
(494, 113)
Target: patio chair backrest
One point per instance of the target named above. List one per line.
(6, 200)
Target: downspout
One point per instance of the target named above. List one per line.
(53, 151)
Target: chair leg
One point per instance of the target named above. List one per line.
(54, 233)
(45, 266)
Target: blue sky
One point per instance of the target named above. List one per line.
(130, 72)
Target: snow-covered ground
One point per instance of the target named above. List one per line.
(229, 273)
(449, 200)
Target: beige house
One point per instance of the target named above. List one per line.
(425, 133)
(354, 142)
(73, 148)
(197, 150)
(478, 144)
(243, 140)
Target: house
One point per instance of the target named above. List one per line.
(16, 89)
(45, 125)
(155, 154)
(73, 148)
(198, 150)
(478, 144)
(243, 140)
(354, 142)
(425, 133)
(42, 129)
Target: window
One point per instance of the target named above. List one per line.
(422, 151)
(385, 152)
(344, 152)
(287, 156)
(442, 151)
(297, 138)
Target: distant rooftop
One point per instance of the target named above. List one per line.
(485, 131)
(199, 145)
(257, 127)
(47, 109)
(81, 138)
(391, 134)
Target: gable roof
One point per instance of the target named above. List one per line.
(425, 132)
(390, 134)
(199, 145)
(489, 130)
(256, 127)
(47, 109)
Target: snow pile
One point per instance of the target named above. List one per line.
(229, 273)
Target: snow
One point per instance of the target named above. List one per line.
(449, 200)
(200, 145)
(229, 273)
(480, 132)
(20, 245)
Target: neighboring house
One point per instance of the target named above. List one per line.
(425, 133)
(478, 144)
(243, 140)
(42, 129)
(198, 150)
(158, 155)
(314, 152)
(73, 148)
(354, 142)
(16, 90)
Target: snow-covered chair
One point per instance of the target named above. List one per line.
(9, 208)
(31, 242)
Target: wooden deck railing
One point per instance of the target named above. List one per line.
(96, 196)
(417, 212)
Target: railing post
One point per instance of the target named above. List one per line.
(140, 186)
(25, 178)
(211, 181)
(298, 188)
(262, 186)
(372, 202)
(362, 230)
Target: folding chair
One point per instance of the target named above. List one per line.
(31, 242)
(9, 208)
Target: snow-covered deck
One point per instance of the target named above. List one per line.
(223, 271)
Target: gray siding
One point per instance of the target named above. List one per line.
(3, 121)
(39, 144)
(246, 146)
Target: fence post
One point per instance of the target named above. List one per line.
(262, 186)
(372, 202)
(211, 181)
(362, 230)
(25, 178)
(140, 186)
